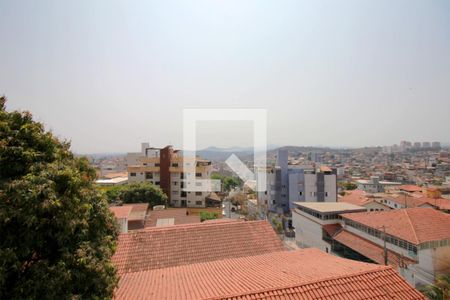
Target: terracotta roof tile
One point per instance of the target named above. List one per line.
(370, 249)
(179, 215)
(120, 212)
(302, 274)
(415, 225)
(160, 247)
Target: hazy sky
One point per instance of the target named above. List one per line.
(110, 74)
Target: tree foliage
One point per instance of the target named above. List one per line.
(57, 234)
(228, 182)
(440, 290)
(143, 192)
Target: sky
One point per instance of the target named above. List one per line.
(108, 75)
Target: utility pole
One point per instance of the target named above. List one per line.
(385, 253)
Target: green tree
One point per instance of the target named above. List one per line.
(440, 290)
(56, 232)
(228, 182)
(142, 192)
(349, 186)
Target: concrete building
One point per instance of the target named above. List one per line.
(374, 185)
(288, 183)
(417, 241)
(163, 167)
(314, 222)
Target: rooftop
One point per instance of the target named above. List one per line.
(301, 274)
(160, 247)
(121, 212)
(370, 250)
(325, 207)
(179, 215)
(415, 225)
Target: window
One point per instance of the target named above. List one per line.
(175, 165)
(198, 203)
(198, 174)
(198, 193)
(133, 174)
(300, 193)
(148, 175)
(157, 182)
(156, 164)
(183, 194)
(326, 194)
(175, 183)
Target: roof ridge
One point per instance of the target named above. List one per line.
(202, 224)
(379, 268)
(412, 226)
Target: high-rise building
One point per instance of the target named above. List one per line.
(289, 183)
(163, 167)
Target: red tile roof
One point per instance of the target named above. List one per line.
(138, 211)
(415, 225)
(357, 197)
(410, 188)
(302, 274)
(160, 247)
(331, 229)
(120, 212)
(370, 249)
(179, 215)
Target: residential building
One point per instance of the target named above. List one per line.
(301, 274)
(164, 167)
(417, 241)
(374, 185)
(170, 217)
(313, 222)
(121, 213)
(361, 198)
(291, 182)
(130, 216)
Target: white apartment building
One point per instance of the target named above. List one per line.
(313, 222)
(417, 239)
(163, 167)
(374, 185)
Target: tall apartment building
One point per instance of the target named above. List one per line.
(289, 183)
(163, 167)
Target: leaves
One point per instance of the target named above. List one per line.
(57, 232)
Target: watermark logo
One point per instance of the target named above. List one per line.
(257, 178)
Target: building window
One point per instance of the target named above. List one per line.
(198, 174)
(175, 165)
(157, 182)
(148, 175)
(175, 183)
(156, 164)
(300, 193)
(326, 194)
(133, 174)
(198, 203)
(198, 193)
(183, 194)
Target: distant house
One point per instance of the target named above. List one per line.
(130, 216)
(361, 198)
(121, 213)
(374, 185)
